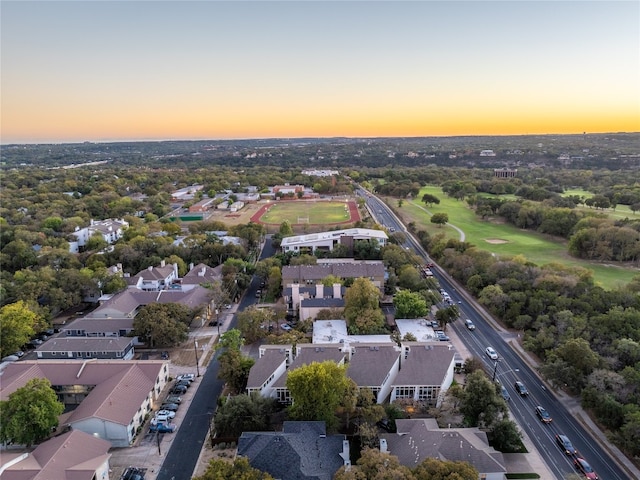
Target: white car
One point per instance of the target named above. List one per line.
(286, 327)
(164, 416)
(491, 353)
(190, 377)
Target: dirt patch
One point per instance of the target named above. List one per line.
(495, 241)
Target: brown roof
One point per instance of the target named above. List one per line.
(202, 273)
(74, 455)
(120, 386)
(426, 364)
(341, 270)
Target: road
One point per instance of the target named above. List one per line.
(183, 455)
(512, 367)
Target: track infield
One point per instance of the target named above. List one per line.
(301, 212)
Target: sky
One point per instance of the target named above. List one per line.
(74, 71)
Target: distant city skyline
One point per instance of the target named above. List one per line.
(74, 71)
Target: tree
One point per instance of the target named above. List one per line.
(436, 469)
(429, 199)
(285, 229)
(480, 403)
(234, 369)
(17, 325)
(445, 316)
(244, 413)
(30, 413)
(161, 325)
(362, 310)
(409, 305)
(440, 218)
(375, 465)
(317, 390)
(240, 469)
(505, 436)
(253, 322)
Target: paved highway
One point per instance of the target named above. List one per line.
(512, 367)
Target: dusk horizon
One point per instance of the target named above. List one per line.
(157, 71)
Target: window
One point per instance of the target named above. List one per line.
(428, 393)
(405, 392)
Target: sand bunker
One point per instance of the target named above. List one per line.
(495, 241)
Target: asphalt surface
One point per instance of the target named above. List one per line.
(182, 457)
(511, 367)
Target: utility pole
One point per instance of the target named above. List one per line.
(195, 347)
(218, 320)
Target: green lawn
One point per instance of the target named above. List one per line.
(505, 239)
(620, 213)
(297, 212)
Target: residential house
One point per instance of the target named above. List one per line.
(271, 364)
(310, 275)
(155, 278)
(302, 451)
(326, 241)
(202, 274)
(304, 355)
(426, 372)
(108, 399)
(308, 301)
(110, 230)
(374, 366)
(73, 455)
(83, 348)
(419, 439)
(186, 193)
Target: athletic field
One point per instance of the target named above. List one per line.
(300, 212)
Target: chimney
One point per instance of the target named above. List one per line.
(295, 295)
(337, 290)
(191, 266)
(175, 269)
(383, 445)
(150, 268)
(319, 290)
(162, 263)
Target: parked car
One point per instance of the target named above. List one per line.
(583, 466)
(133, 473)
(169, 406)
(164, 355)
(163, 428)
(11, 358)
(258, 293)
(565, 444)
(186, 376)
(179, 390)
(36, 341)
(491, 353)
(386, 425)
(286, 327)
(173, 399)
(213, 323)
(543, 415)
(469, 324)
(165, 413)
(521, 389)
(18, 354)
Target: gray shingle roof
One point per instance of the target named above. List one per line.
(425, 365)
(419, 439)
(370, 364)
(265, 366)
(301, 451)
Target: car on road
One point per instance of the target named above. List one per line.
(543, 415)
(258, 293)
(504, 393)
(521, 389)
(392, 229)
(491, 353)
(163, 428)
(583, 467)
(469, 324)
(565, 444)
(169, 406)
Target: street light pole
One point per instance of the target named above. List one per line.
(195, 348)
(218, 320)
(495, 369)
